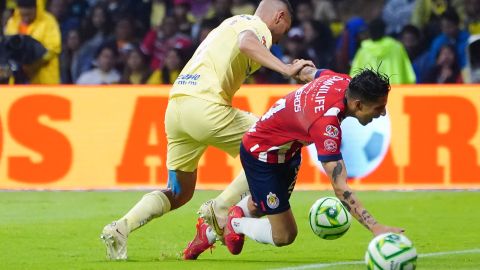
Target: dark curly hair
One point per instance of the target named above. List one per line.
(368, 85)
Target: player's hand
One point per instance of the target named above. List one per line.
(306, 74)
(297, 65)
(378, 229)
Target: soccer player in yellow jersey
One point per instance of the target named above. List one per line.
(200, 114)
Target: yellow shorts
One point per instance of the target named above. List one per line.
(192, 124)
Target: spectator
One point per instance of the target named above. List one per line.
(104, 72)
(180, 12)
(385, 53)
(242, 7)
(31, 18)
(412, 41)
(137, 69)
(201, 9)
(159, 41)
(124, 38)
(320, 44)
(205, 28)
(426, 16)
(294, 46)
(222, 10)
(158, 12)
(77, 8)
(324, 11)
(446, 68)
(451, 34)
(472, 20)
(118, 9)
(348, 43)
(473, 71)
(396, 14)
(303, 12)
(96, 30)
(69, 69)
(174, 63)
(59, 9)
(219, 11)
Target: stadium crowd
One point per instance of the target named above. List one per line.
(149, 41)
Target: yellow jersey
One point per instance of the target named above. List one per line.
(217, 69)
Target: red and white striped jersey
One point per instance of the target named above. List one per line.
(311, 114)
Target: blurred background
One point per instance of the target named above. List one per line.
(149, 41)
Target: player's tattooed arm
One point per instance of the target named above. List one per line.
(338, 175)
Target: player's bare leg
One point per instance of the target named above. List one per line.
(181, 186)
(215, 211)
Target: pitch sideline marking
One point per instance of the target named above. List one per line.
(324, 265)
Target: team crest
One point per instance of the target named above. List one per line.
(272, 200)
(331, 131)
(330, 145)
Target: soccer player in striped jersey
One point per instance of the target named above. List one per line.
(270, 153)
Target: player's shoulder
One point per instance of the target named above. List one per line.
(242, 19)
(328, 73)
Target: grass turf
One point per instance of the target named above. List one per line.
(60, 230)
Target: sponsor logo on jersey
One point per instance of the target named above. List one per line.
(272, 200)
(331, 131)
(187, 79)
(330, 145)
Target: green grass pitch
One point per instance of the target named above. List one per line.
(60, 230)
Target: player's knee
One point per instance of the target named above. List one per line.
(284, 238)
(181, 186)
(182, 197)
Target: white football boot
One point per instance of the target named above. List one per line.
(114, 236)
(207, 213)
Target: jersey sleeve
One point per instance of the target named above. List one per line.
(327, 137)
(256, 25)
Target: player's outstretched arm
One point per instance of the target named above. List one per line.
(338, 175)
(249, 45)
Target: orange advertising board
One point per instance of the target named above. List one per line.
(69, 137)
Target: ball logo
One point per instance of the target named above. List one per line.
(331, 131)
(330, 145)
(272, 200)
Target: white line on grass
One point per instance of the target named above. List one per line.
(325, 265)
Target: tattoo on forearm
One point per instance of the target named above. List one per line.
(347, 206)
(348, 196)
(337, 171)
(368, 220)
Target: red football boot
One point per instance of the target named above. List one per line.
(233, 241)
(199, 244)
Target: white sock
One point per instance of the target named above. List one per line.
(152, 205)
(211, 235)
(258, 229)
(244, 205)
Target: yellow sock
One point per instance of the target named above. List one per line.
(232, 194)
(152, 205)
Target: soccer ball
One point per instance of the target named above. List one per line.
(363, 147)
(391, 251)
(329, 219)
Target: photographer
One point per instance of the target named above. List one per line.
(31, 19)
(15, 52)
